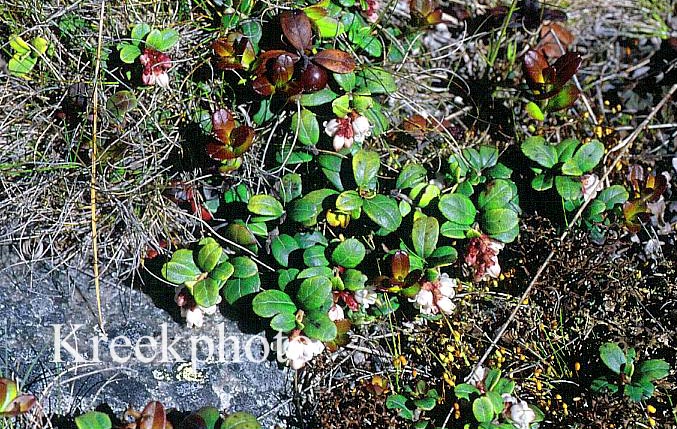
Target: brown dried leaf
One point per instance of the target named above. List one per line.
(153, 416)
(550, 34)
(297, 29)
(335, 60)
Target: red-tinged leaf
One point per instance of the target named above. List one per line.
(399, 266)
(233, 52)
(223, 124)
(282, 70)
(634, 211)
(416, 126)
(262, 86)
(153, 417)
(241, 139)
(297, 29)
(564, 99)
(636, 177)
(435, 17)
(551, 34)
(220, 151)
(19, 405)
(658, 184)
(565, 67)
(335, 60)
(535, 63)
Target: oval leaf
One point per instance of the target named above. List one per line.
(348, 253)
(314, 292)
(383, 211)
(241, 420)
(308, 127)
(424, 234)
(538, 149)
(458, 209)
(335, 60)
(273, 302)
(319, 326)
(265, 205)
(297, 29)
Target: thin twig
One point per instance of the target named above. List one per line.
(92, 186)
(624, 146)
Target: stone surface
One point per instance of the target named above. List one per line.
(37, 297)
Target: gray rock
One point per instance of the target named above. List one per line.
(39, 297)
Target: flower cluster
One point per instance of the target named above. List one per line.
(299, 349)
(371, 13)
(155, 66)
(590, 186)
(366, 297)
(518, 411)
(193, 313)
(482, 256)
(345, 131)
(435, 297)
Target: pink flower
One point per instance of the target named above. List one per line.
(352, 128)
(155, 65)
(482, 256)
(435, 297)
(371, 13)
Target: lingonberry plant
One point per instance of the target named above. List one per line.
(153, 55)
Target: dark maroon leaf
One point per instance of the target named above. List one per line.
(535, 63)
(241, 139)
(282, 70)
(262, 86)
(564, 99)
(220, 151)
(565, 67)
(297, 29)
(153, 416)
(335, 60)
(222, 124)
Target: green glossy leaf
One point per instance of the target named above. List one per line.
(241, 420)
(129, 53)
(639, 391)
(20, 67)
(349, 253)
(341, 106)
(458, 209)
(318, 98)
(314, 272)
(496, 401)
(331, 167)
(499, 221)
(222, 271)
(443, 255)
(139, 32)
(286, 276)
(453, 229)
(309, 239)
(354, 279)
(283, 322)
(377, 81)
(425, 404)
(272, 302)
(383, 211)
(163, 40)
(534, 111)
(365, 168)
(282, 246)
(499, 171)
(568, 188)
(566, 148)
(588, 156)
(399, 402)
(542, 182)
(654, 369)
(236, 288)
(209, 255)
(564, 99)
(265, 205)
(602, 384)
(498, 194)
(411, 175)
(614, 194)
(483, 409)
(206, 292)
(209, 415)
(424, 235)
(314, 293)
(181, 268)
(306, 209)
(244, 267)
(308, 128)
(240, 234)
(464, 390)
(538, 149)
(314, 256)
(348, 201)
(345, 80)
(612, 356)
(318, 326)
(291, 187)
(93, 420)
(492, 378)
